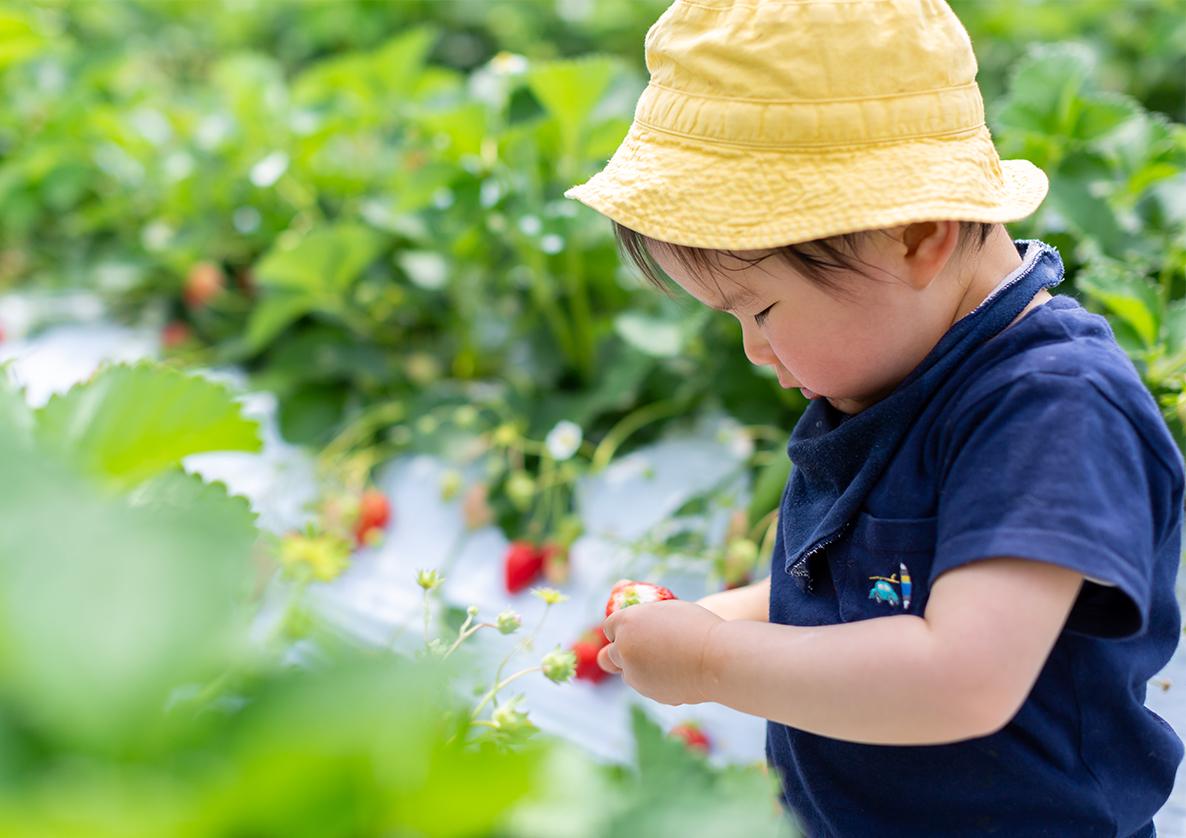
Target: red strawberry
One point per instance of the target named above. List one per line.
(374, 513)
(627, 592)
(204, 281)
(586, 649)
(522, 565)
(175, 333)
(692, 735)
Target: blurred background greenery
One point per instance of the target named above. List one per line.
(360, 204)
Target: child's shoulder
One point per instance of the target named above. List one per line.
(1057, 339)
(1065, 359)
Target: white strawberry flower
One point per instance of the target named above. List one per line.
(508, 64)
(564, 440)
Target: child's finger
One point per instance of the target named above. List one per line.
(605, 658)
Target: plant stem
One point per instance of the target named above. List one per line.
(630, 423)
(525, 643)
(426, 617)
(500, 685)
(578, 293)
(464, 635)
(762, 524)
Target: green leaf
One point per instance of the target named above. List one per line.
(19, 40)
(309, 413)
(399, 62)
(768, 488)
(276, 312)
(569, 89)
(324, 263)
(129, 423)
(1174, 327)
(1126, 294)
(1088, 214)
(464, 127)
(1101, 114)
(697, 800)
(16, 417)
(108, 603)
(1044, 88)
(359, 746)
(656, 337)
(603, 139)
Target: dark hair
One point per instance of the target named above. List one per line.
(815, 259)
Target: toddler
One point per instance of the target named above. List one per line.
(973, 577)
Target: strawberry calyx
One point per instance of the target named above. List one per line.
(627, 592)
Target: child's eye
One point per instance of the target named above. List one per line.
(760, 317)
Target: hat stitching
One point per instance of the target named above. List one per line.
(767, 5)
(929, 90)
(829, 145)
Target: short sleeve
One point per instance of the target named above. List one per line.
(1049, 468)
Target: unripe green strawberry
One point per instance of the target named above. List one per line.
(559, 665)
(628, 592)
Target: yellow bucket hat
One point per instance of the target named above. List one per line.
(773, 122)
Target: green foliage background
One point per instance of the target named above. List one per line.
(380, 184)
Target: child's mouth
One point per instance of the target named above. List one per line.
(808, 394)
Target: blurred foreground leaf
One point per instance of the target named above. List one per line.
(129, 423)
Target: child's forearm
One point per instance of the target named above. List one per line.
(751, 602)
(882, 681)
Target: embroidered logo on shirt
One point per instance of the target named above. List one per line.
(883, 588)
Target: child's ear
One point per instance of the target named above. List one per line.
(926, 247)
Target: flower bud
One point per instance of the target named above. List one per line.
(559, 665)
(520, 489)
(509, 622)
(450, 484)
(429, 579)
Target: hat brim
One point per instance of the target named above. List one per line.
(683, 191)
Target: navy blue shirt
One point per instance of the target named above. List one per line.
(1036, 440)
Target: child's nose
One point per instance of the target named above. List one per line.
(757, 348)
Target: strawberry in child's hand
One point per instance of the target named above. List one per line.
(522, 565)
(586, 649)
(692, 735)
(374, 513)
(627, 592)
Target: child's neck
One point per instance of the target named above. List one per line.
(992, 263)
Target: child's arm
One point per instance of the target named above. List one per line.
(750, 602)
(961, 672)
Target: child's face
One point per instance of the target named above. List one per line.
(851, 348)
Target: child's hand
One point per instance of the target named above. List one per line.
(659, 649)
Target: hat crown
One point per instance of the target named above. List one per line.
(810, 72)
